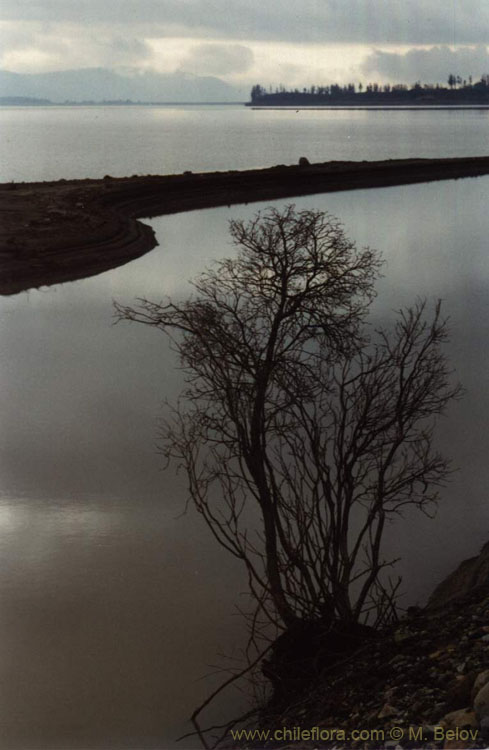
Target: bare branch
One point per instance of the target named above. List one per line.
(300, 435)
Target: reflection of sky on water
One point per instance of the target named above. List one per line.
(74, 142)
(112, 603)
(433, 238)
(110, 616)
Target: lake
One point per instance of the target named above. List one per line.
(114, 605)
(70, 142)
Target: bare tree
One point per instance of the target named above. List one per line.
(298, 434)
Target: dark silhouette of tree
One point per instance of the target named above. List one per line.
(300, 437)
(458, 92)
(257, 92)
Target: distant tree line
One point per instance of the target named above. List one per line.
(23, 101)
(458, 91)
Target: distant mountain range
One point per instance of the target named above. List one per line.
(102, 84)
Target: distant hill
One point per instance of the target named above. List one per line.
(101, 84)
(22, 101)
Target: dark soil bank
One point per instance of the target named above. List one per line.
(422, 682)
(61, 231)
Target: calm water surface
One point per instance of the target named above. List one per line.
(113, 605)
(70, 142)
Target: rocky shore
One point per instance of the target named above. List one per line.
(421, 683)
(52, 232)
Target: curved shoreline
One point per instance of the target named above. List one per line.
(52, 232)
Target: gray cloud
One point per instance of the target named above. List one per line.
(128, 51)
(77, 47)
(429, 65)
(223, 59)
(118, 51)
(360, 21)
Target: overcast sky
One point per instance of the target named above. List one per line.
(295, 42)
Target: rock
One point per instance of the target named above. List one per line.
(485, 728)
(481, 703)
(462, 719)
(413, 612)
(387, 711)
(459, 692)
(390, 693)
(470, 575)
(397, 660)
(384, 683)
(402, 634)
(458, 744)
(436, 654)
(481, 680)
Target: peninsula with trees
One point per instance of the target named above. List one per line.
(459, 92)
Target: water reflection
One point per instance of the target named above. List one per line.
(434, 241)
(73, 142)
(108, 617)
(113, 606)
